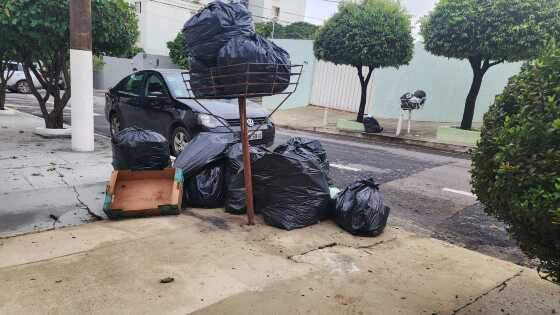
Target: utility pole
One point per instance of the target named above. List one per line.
(81, 75)
(273, 26)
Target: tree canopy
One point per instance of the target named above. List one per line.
(8, 52)
(376, 33)
(489, 32)
(516, 165)
(297, 30)
(43, 42)
(115, 28)
(373, 34)
(177, 51)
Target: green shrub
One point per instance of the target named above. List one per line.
(516, 166)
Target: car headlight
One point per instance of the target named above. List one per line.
(209, 121)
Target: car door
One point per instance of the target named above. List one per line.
(131, 95)
(158, 104)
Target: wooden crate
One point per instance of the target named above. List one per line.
(144, 193)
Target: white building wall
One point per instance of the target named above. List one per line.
(338, 87)
(290, 10)
(160, 20)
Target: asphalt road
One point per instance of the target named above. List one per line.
(428, 191)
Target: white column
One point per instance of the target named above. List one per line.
(81, 74)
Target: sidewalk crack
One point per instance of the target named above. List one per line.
(77, 195)
(500, 287)
(333, 244)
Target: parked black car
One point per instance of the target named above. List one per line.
(158, 100)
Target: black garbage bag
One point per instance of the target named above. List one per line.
(254, 65)
(360, 209)
(139, 149)
(235, 181)
(371, 125)
(307, 147)
(206, 189)
(201, 80)
(210, 29)
(203, 150)
(291, 191)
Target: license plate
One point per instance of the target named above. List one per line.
(257, 135)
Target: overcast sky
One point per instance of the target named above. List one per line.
(318, 10)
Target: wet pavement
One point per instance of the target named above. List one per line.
(428, 191)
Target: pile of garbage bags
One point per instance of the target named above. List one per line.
(223, 35)
(235, 201)
(203, 165)
(291, 191)
(138, 149)
(290, 184)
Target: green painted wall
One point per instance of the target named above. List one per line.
(446, 81)
(301, 53)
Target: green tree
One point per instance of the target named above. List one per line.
(8, 52)
(516, 165)
(42, 30)
(373, 34)
(487, 33)
(299, 30)
(265, 29)
(177, 51)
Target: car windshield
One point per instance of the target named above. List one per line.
(176, 84)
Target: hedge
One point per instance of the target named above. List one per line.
(516, 165)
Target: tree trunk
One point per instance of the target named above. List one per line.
(363, 102)
(55, 120)
(2, 96)
(470, 103)
(364, 81)
(479, 67)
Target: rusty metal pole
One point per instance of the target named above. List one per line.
(246, 161)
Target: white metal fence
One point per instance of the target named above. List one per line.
(338, 87)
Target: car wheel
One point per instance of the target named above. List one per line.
(114, 124)
(179, 139)
(23, 87)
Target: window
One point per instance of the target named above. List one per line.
(176, 84)
(276, 12)
(154, 84)
(132, 84)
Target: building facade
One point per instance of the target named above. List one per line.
(283, 12)
(159, 21)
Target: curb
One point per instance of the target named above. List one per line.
(65, 125)
(380, 138)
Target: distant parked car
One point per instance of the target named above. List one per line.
(17, 82)
(158, 100)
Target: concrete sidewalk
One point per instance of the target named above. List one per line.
(221, 266)
(340, 123)
(46, 185)
(218, 264)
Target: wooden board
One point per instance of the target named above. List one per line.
(132, 193)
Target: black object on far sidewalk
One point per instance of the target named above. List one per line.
(371, 125)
